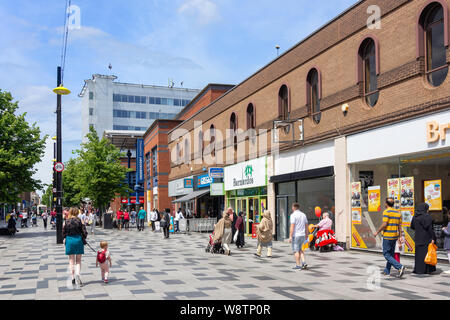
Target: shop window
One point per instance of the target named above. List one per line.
(313, 94)
(368, 70)
(212, 140)
(433, 42)
(283, 102)
(233, 128)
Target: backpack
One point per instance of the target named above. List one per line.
(101, 256)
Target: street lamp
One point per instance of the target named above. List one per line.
(60, 90)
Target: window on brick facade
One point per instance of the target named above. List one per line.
(212, 140)
(187, 151)
(200, 144)
(368, 56)
(432, 28)
(314, 94)
(283, 102)
(251, 119)
(233, 128)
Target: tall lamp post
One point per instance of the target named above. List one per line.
(59, 90)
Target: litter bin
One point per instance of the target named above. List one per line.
(107, 221)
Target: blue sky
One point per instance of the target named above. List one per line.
(194, 41)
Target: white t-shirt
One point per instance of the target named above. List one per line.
(178, 216)
(299, 220)
(153, 216)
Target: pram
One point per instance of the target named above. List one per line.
(214, 247)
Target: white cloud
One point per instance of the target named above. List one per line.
(202, 11)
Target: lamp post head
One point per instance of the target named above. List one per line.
(61, 90)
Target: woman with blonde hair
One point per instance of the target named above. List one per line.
(223, 233)
(74, 233)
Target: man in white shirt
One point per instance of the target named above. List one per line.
(178, 216)
(298, 234)
(153, 218)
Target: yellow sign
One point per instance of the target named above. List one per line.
(357, 241)
(374, 198)
(433, 194)
(409, 242)
(393, 191)
(407, 200)
(356, 202)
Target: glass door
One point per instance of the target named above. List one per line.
(241, 205)
(283, 225)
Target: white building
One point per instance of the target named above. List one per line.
(109, 105)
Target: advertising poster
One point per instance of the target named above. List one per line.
(374, 199)
(356, 202)
(432, 194)
(393, 191)
(407, 200)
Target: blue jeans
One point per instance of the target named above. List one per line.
(388, 253)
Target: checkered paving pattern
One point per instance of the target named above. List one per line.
(147, 266)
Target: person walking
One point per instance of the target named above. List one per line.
(297, 235)
(422, 223)
(12, 224)
(91, 222)
(142, 215)
(126, 220)
(392, 231)
(446, 231)
(264, 230)
(165, 223)
(103, 257)
(133, 217)
(240, 241)
(24, 222)
(119, 216)
(153, 218)
(233, 218)
(44, 218)
(74, 234)
(53, 218)
(178, 217)
(222, 232)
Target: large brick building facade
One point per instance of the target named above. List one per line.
(345, 81)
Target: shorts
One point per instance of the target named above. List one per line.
(297, 243)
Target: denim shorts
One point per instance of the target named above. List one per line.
(297, 243)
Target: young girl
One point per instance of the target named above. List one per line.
(398, 249)
(103, 257)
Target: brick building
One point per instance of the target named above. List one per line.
(373, 105)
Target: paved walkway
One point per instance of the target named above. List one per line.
(146, 266)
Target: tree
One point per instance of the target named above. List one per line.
(47, 196)
(21, 147)
(71, 183)
(100, 176)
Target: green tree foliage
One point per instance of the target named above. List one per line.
(100, 176)
(71, 183)
(21, 147)
(47, 196)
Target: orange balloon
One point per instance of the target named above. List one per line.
(318, 211)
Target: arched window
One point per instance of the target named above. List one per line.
(251, 119)
(283, 102)
(187, 151)
(233, 127)
(433, 41)
(212, 132)
(314, 94)
(200, 144)
(369, 70)
(178, 160)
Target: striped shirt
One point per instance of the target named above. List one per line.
(393, 219)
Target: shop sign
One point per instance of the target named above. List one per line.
(432, 193)
(407, 200)
(176, 187)
(188, 183)
(204, 181)
(217, 189)
(247, 174)
(216, 173)
(435, 131)
(356, 202)
(140, 160)
(374, 199)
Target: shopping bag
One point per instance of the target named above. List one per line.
(431, 257)
(235, 236)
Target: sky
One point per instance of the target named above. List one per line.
(147, 42)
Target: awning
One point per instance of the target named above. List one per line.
(193, 195)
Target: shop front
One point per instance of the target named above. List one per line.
(409, 161)
(178, 189)
(305, 176)
(209, 205)
(245, 185)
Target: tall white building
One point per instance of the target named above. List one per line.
(109, 105)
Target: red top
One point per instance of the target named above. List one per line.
(126, 215)
(119, 214)
(53, 213)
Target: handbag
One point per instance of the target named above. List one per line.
(431, 257)
(236, 234)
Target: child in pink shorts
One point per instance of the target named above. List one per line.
(103, 257)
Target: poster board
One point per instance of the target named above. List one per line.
(432, 190)
(374, 199)
(393, 191)
(356, 202)
(407, 200)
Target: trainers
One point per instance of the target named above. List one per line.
(80, 283)
(401, 271)
(73, 281)
(257, 255)
(385, 273)
(105, 281)
(297, 268)
(304, 266)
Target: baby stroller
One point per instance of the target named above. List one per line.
(214, 247)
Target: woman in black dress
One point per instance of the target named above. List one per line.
(422, 223)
